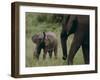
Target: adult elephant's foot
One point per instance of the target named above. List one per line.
(70, 62)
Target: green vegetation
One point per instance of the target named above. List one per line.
(37, 23)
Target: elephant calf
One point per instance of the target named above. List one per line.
(46, 41)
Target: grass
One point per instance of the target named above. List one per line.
(34, 26)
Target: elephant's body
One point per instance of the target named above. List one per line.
(47, 42)
(79, 26)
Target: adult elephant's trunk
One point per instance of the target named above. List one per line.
(64, 36)
(63, 44)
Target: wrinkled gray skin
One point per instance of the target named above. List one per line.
(46, 41)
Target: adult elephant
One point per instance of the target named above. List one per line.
(79, 26)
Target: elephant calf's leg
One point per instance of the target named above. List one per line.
(76, 43)
(44, 54)
(38, 51)
(50, 54)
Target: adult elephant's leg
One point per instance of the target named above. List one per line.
(85, 48)
(63, 44)
(76, 43)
